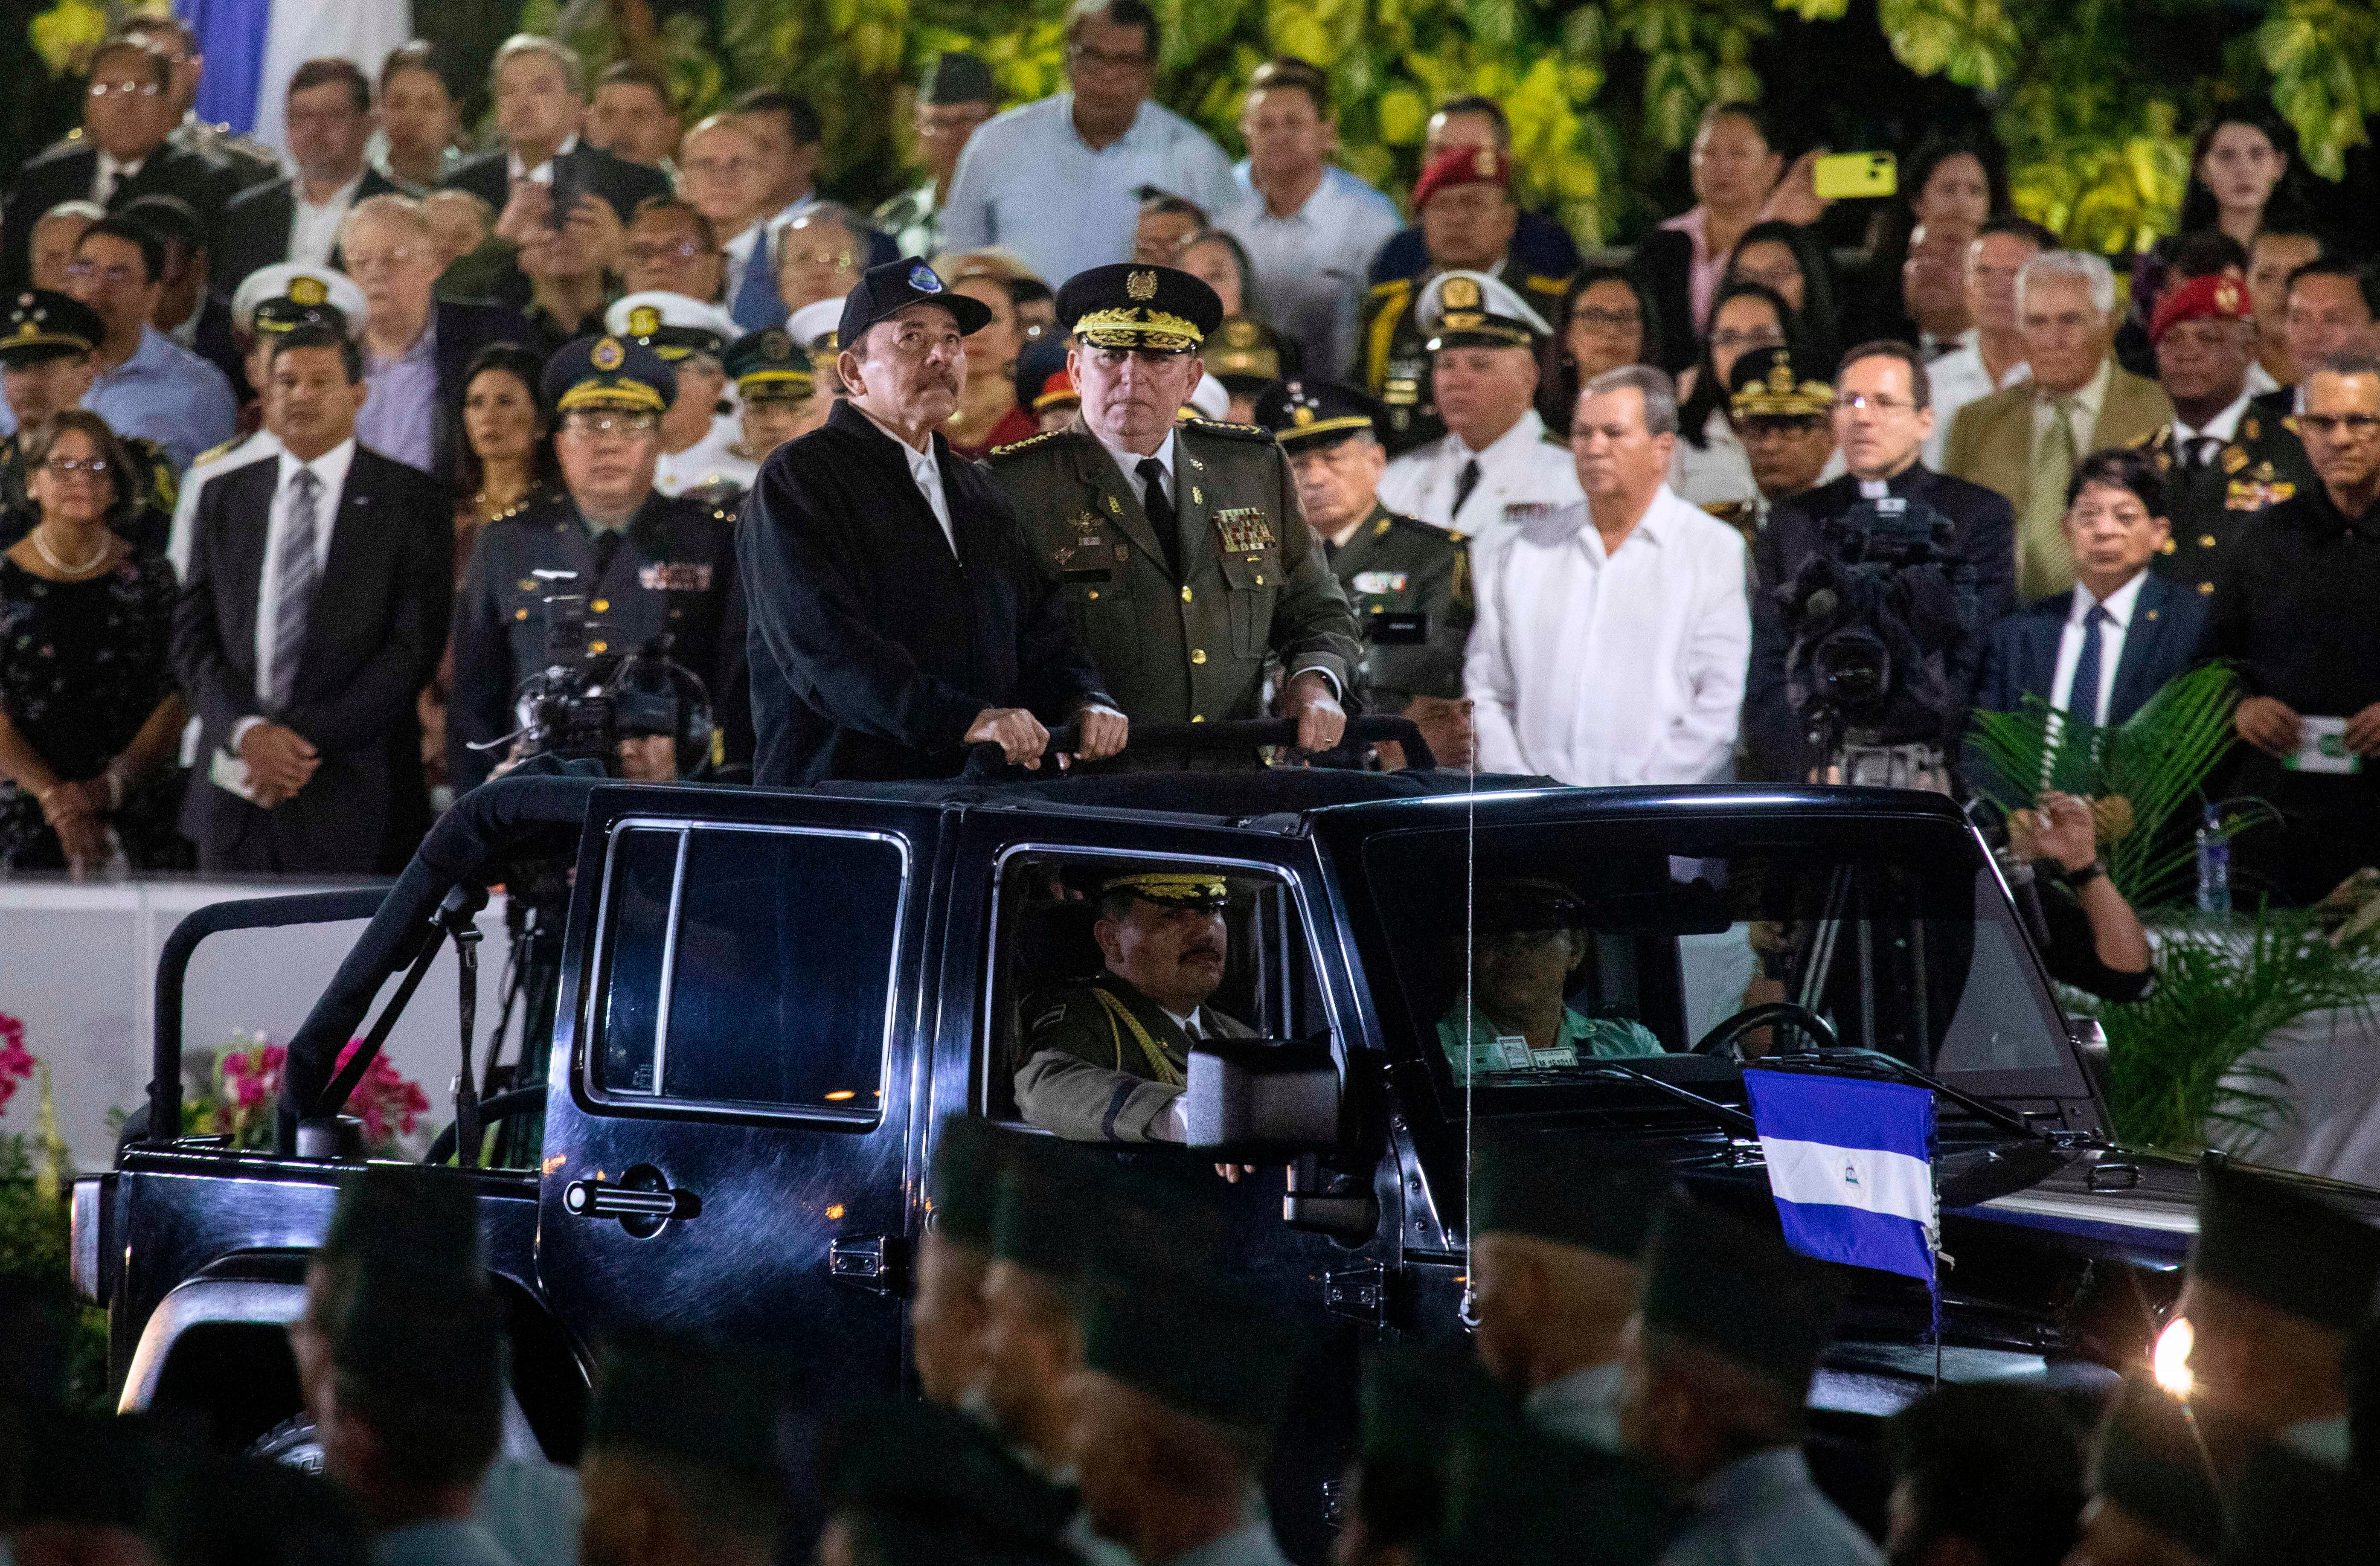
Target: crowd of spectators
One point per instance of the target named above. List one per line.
(209, 349)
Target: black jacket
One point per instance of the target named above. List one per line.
(1983, 528)
(2166, 635)
(1663, 265)
(64, 173)
(618, 181)
(373, 639)
(256, 229)
(872, 647)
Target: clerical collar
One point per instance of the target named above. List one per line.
(1875, 488)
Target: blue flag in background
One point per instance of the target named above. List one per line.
(1850, 1163)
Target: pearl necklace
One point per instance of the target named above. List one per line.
(64, 568)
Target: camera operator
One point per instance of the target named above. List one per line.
(1882, 418)
(636, 564)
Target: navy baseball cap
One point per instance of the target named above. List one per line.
(888, 289)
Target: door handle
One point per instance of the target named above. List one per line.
(642, 1200)
(878, 1263)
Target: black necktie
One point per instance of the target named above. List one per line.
(1161, 519)
(607, 545)
(1463, 486)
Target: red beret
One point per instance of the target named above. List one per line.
(1059, 388)
(2223, 296)
(1461, 165)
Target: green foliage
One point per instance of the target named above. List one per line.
(2181, 1061)
(2325, 56)
(2155, 763)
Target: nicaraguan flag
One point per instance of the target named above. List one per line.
(1850, 1163)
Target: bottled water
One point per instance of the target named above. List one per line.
(2214, 865)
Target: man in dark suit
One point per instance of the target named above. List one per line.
(541, 92)
(896, 616)
(312, 614)
(298, 217)
(122, 155)
(1882, 417)
(2103, 647)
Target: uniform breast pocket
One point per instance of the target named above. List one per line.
(1254, 580)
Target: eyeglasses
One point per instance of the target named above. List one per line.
(598, 424)
(68, 467)
(124, 88)
(650, 252)
(2356, 424)
(115, 276)
(1860, 402)
(1608, 319)
(836, 260)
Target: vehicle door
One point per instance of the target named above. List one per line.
(728, 1098)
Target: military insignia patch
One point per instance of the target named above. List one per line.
(608, 355)
(1197, 498)
(1459, 293)
(1141, 286)
(2234, 459)
(676, 576)
(644, 321)
(922, 279)
(308, 291)
(1380, 581)
(1115, 505)
(1244, 529)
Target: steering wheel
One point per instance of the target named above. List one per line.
(1720, 1041)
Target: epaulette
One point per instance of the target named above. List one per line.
(2163, 434)
(1028, 443)
(1393, 285)
(1544, 285)
(1235, 432)
(213, 452)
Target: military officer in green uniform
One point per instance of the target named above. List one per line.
(46, 345)
(1105, 1061)
(1410, 583)
(2224, 459)
(643, 563)
(1187, 564)
(777, 388)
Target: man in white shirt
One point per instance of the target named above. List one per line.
(1496, 454)
(1055, 180)
(1989, 356)
(1613, 633)
(1310, 229)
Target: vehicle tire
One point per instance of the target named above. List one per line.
(293, 1442)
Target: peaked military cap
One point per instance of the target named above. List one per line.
(1768, 384)
(1149, 1223)
(896, 1455)
(42, 326)
(1310, 415)
(813, 327)
(287, 295)
(965, 1192)
(2149, 1461)
(1199, 1350)
(1560, 1187)
(422, 1218)
(437, 1335)
(672, 324)
(1732, 1287)
(1414, 1399)
(698, 1402)
(956, 77)
(1172, 890)
(1246, 352)
(1153, 310)
(2284, 1247)
(1519, 1497)
(1038, 1212)
(1042, 382)
(608, 373)
(1473, 310)
(769, 366)
(885, 291)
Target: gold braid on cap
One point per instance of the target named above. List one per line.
(613, 392)
(1769, 399)
(1129, 327)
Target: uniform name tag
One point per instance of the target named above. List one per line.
(1396, 630)
(675, 576)
(1244, 529)
(1381, 581)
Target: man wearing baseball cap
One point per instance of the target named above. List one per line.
(896, 615)
(2219, 456)
(1466, 216)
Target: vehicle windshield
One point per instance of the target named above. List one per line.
(1628, 942)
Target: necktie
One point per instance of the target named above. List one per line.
(2044, 563)
(2082, 696)
(756, 307)
(1463, 484)
(298, 571)
(1163, 521)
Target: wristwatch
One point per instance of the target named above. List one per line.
(2077, 879)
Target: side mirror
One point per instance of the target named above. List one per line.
(1268, 1093)
(2090, 1040)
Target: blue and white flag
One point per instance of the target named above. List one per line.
(1850, 1163)
(254, 46)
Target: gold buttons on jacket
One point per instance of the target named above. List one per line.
(1197, 655)
(1185, 595)
(599, 605)
(2206, 540)
(2207, 588)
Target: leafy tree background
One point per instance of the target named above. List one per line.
(2094, 98)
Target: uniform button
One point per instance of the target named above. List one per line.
(599, 605)
(1095, 592)
(2207, 588)
(2206, 540)
(2168, 546)
(1197, 717)
(1185, 595)
(520, 614)
(677, 614)
(1197, 655)
(599, 647)
(1260, 579)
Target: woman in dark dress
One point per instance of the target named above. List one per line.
(87, 711)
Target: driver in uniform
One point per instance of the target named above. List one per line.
(1528, 938)
(1106, 1060)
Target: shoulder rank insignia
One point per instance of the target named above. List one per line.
(1236, 431)
(2234, 458)
(2248, 429)
(1028, 443)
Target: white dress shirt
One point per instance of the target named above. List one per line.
(1717, 472)
(926, 473)
(712, 459)
(2222, 428)
(1622, 668)
(314, 231)
(1310, 266)
(109, 174)
(543, 173)
(1957, 379)
(331, 469)
(1520, 467)
(2119, 605)
(1128, 464)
